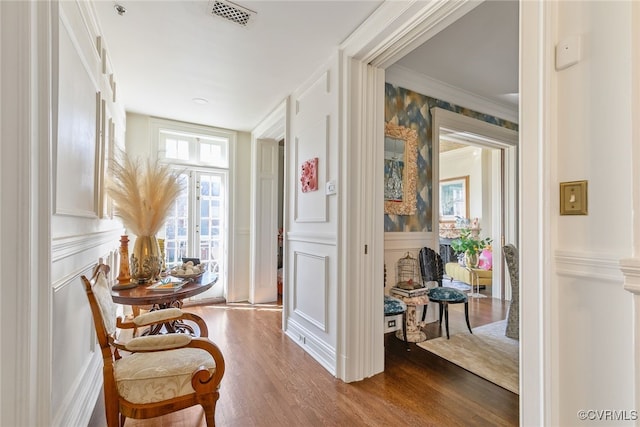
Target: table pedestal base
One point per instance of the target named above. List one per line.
(414, 325)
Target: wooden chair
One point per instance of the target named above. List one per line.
(513, 318)
(154, 375)
(431, 270)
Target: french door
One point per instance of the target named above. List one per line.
(197, 225)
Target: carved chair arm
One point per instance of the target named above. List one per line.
(157, 342)
(157, 316)
(202, 380)
(162, 316)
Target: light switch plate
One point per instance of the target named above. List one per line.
(573, 198)
(331, 187)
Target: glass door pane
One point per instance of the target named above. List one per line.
(211, 230)
(176, 228)
(196, 226)
(211, 218)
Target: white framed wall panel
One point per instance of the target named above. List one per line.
(312, 142)
(310, 295)
(78, 109)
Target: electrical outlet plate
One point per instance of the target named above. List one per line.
(573, 198)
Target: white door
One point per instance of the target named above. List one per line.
(197, 226)
(265, 221)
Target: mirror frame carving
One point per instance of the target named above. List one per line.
(408, 205)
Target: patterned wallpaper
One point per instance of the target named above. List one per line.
(410, 109)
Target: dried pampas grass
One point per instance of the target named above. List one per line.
(143, 193)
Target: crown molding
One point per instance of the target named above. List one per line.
(409, 79)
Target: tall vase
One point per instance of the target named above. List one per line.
(145, 261)
(471, 259)
(124, 275)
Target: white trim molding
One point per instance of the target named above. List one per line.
(400, 76)
(401, 240)
(631, 270)
(26, 37)
(631, 267)
(318, 349)
(588, 266)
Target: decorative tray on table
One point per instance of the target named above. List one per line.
(168, 285)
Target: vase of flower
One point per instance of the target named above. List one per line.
(470, 246)
(145, 263)
(143, 194)
(471, 259)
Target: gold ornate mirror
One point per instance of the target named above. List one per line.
(400, 169)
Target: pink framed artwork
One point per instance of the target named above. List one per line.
(309, 175)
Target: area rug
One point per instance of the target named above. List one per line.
(456, 284)
(487, 353)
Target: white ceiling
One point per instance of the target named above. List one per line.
(166, 53)
(477, 53)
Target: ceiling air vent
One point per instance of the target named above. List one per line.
(231, 12)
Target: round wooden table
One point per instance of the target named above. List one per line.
(142, 295)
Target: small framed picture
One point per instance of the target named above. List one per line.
(454, 198)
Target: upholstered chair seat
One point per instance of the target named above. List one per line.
(450, 295)
(393, 306)
(158, 376)
(445, 296)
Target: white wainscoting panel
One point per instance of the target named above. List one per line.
(311, 291)
(76, 358)
(592, 314)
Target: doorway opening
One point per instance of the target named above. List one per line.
(488, 154)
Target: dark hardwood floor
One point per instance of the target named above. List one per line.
(271, 381)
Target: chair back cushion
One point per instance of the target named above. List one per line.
(108, 308)
(511, 257)
(431, 267)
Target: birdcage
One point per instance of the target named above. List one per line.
(408, 273)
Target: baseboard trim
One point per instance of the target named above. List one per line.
(319, 350)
